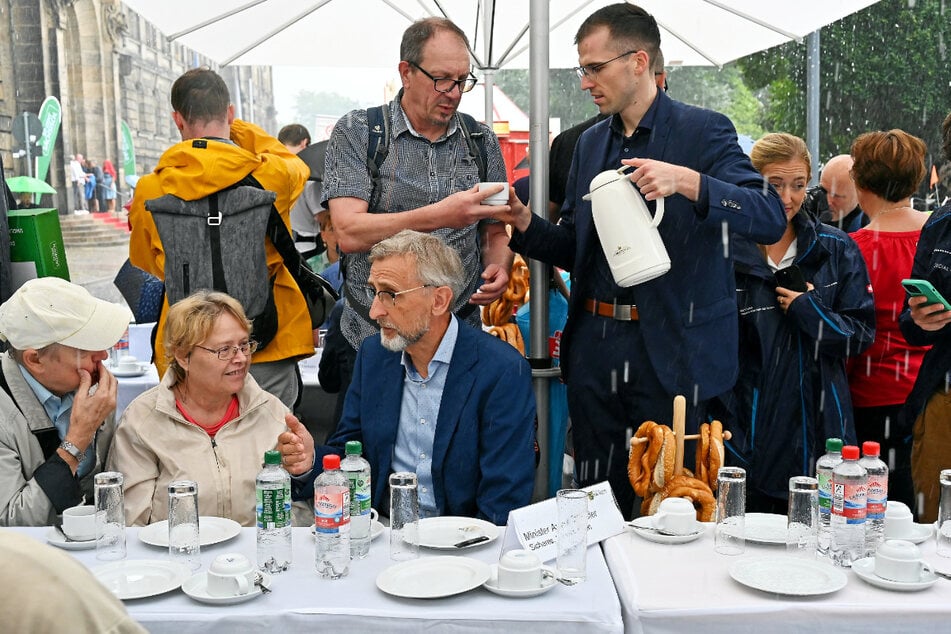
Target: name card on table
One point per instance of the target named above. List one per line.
(535, 527)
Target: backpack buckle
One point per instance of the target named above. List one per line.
(214, 221)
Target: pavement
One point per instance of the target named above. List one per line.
(94, 267)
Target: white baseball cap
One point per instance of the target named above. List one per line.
(51, 310)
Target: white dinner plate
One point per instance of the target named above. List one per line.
(788, 575)
(766, 528)
(433, 577)
(919, 533)
(549, 579)
(865, 570)
(59, 540)
(211, 530)
(138, 578)
(643, 527)
(196, 587)
(376, 529)
(443, 533)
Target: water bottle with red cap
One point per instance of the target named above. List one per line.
(849, 500)
(877, 496)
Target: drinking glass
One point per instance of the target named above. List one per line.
(943, 534)
(183, 542)
(802, 520)
(731, 511)
(572, 534)
(110, 516)
(404, 516)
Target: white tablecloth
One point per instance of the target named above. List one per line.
(131, 386)
(302, 599)
(687, 588)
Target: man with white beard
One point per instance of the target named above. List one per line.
(451, 404)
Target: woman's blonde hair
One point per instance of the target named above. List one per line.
(780, 147)
(191, 320)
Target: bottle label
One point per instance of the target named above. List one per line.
(359, 493)
(877, 496)
(849, 501)
(274, 507)
(825, 492)
(331, 509)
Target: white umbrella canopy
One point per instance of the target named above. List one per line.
(366, 33)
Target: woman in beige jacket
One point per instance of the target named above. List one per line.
(207, 421)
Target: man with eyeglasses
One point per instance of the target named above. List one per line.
(57, 399)
(449, 403)
(427, 182)
(626, 352)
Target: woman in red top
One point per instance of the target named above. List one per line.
(888, 168)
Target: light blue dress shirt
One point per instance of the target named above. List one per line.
(59, 410)
(419, 412)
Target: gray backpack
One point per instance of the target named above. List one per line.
(217, 243)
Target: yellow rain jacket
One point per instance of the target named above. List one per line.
(191, 175)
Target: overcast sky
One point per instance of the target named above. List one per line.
(362, 84)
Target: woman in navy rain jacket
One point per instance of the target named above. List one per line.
(792, 392)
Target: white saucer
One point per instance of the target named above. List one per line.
(919, 533)
(549, 579)
(196, 587)
(211, 530)
(141, 369)
(55, 538)
(865, 570)
(643, 526)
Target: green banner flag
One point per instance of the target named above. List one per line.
(128, 151)
(51, 115)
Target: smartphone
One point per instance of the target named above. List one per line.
(791, 278)
(924, 288)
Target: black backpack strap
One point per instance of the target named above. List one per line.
(214, 236)
(48, 438)
(475, 140)
(378, 146)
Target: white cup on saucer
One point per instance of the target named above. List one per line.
(128, 363)
(899, 522)
(230, 575)
(79, 523)
(499, 198)
(898, 560)
(520, 570)
(676, 516)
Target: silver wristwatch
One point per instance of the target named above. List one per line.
(72, 450)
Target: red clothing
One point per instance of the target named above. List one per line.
(230, 414)
(885, 373)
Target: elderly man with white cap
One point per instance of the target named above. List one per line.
(56, 396)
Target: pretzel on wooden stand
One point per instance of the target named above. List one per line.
(655, 463)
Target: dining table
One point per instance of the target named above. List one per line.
(300, 598)
(667, 588)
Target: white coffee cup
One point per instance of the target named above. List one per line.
(230, 575)
(676, 515)
(899, 521)
(500, 198)
(520, 570)
(79, 522)
(898, 560)
(128, 363)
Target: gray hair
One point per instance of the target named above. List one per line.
(437, 264)
(421, 31)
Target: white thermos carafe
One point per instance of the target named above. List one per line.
(629, 237)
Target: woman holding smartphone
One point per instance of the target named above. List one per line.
(792, 393)
(888, 167)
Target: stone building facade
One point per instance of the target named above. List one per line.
(105, 64)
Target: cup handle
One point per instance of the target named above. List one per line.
(926, 566)
(374, 515)
(658, 521)
(244, 585)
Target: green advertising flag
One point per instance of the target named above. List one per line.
(128, 151)
(51, 115)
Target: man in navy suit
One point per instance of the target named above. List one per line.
(451, 404)
(626, 352)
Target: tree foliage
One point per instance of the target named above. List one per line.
(884, 67)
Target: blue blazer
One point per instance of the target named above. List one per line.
(483, 460)
(688, 315)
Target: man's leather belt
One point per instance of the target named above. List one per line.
(621, 312)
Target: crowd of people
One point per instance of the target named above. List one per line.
(415, 255)
(94, 186)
